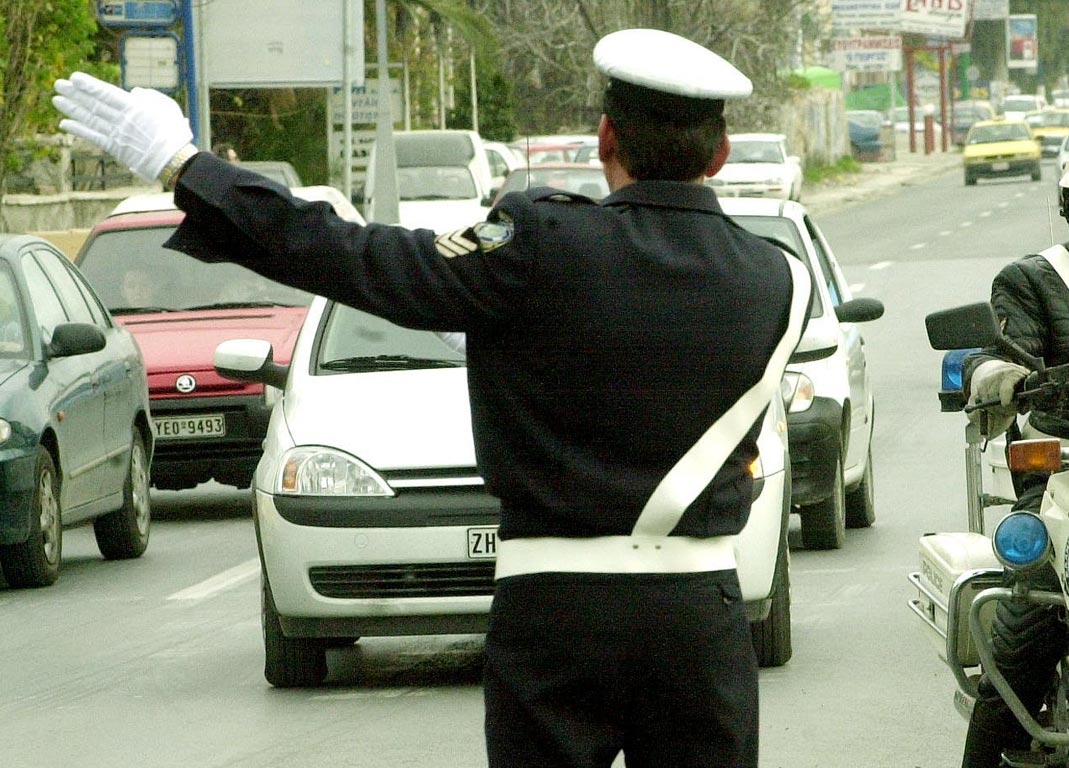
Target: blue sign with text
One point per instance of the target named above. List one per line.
(137, 13)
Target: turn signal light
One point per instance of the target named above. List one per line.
(1042, 455)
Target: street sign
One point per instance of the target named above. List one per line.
(137, 13)
(149, 61)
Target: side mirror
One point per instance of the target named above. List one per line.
(859, 310)
(69, 339)
(250, 360)
(974, 325)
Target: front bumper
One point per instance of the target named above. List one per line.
(230, 459)
(815, 441)
(778, 190)
(1000, 167)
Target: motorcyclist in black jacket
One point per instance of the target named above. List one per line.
(1031, 299)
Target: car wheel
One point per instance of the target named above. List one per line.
(35, 562)
(861, 502)
(970, 180)
(1037, 172)
(824, 523)
(123, 534)
(772, 634)
(289, 662)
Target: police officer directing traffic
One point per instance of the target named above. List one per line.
(621, 356)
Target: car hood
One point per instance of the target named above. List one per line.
(441, 215)
(9, 368)
(1020, 146)
(391, 420)
(751, 172)
(186, 341)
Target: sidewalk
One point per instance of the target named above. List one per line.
(884, 178)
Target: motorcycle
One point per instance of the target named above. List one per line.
(963, 574)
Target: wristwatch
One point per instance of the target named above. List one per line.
(170, 173)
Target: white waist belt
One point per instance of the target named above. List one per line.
(615, 554)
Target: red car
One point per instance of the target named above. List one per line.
(179, 309)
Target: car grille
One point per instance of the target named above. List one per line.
(418, 580)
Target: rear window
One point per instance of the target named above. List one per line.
(132, 272)
(415, 150)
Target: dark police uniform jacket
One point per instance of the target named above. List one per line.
(602, 340)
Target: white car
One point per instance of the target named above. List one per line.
(1016, 106)
(372, 518)
(830, 420)
(1062, 158)
(759, 166)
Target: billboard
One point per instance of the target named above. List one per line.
(936, 18)
(867, 54)
(1022, 41)
(277, 43)
(848, 15)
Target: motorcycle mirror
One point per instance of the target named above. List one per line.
(973, 325)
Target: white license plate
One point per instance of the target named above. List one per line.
(1000, 166)
(185, 427)
(482, 543)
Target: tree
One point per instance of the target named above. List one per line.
(40, 41)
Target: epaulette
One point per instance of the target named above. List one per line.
(538, 194)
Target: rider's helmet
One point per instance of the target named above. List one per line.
(1063, 195)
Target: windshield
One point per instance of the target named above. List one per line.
(745, 151)
(354, 341)
(434, 148)
(1020, 104)
(132, 272)
(588, 181)
(783, 231)
(986, 134)
(1048, 119)
(436, 183)
(12, 319)
(866, 119)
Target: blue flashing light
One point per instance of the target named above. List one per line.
(953, 362)
(1021, 540)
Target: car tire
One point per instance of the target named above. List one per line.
(970, 180)
(824, 523)
(772, 634)
(861, 501)
(1037, 172)
(123, 534)
(35, 561)
(289, 662)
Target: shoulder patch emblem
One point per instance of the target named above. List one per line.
(492, 234)
(453, 244)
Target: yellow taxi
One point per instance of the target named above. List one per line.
(1050, 127)
(1000, 148)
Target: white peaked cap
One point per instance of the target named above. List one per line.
(662, 61)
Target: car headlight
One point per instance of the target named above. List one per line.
(800, 391)
(1021, 541)
(319, 471)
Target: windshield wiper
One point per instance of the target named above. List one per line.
(387, 362)
(236, 305)
(138, 310)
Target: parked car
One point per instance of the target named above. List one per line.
(372, 518)
(580, 178)
(863, 127)
(179, 309)
(1016, 106)
(759, 166)
(966, 113)
(503, 160)
(276, 170)
(1049, 127)
(832, 407)
(1000, 148)
(444, 179)
(1060, 97)
(1062, 158)
(75, 438)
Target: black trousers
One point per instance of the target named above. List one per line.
(582, 666)
(1029, 641)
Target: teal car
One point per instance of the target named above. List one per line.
(75, 435)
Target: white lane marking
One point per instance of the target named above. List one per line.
(1003, 204)
(984, 214)
(945, 233)
(881, 265)
(965, 224)
(918, 246)
(228, 579)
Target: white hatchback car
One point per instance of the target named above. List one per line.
(759, 166)
(371, 516)
(832, 408)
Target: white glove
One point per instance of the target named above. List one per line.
(996, 380)
(143, 129)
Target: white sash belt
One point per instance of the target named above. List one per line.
(650, 548)
(615, 554)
